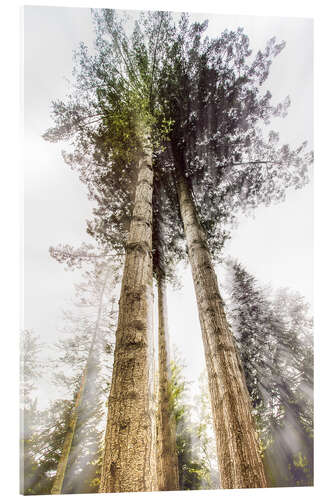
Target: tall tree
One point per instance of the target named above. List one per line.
(129, 455)
(167, 462)
(238, 451)
(220, 111)
(131, 75)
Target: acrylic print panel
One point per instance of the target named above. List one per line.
(170, 172)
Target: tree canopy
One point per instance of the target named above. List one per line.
(203, 102)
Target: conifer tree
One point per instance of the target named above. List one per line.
(274, 336)
(82, 352)
(32, 476)
(166, 446)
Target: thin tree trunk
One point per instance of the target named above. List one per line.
(66, 448)
(239, 460)
(166, 448)
(167, 460)
(62, 464)
(129, 462)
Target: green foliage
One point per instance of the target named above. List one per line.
(195, 445)
(83, 470)
(206, 435)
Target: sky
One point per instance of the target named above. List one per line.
(275, 244)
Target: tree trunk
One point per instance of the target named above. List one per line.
(62, 465)
(166, 449)
(129, 456)
(66, 448)
(239, 460)
(167, 460)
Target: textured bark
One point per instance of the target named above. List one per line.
(129, 462)
(239, 460)
(62, 465)
(167, 460)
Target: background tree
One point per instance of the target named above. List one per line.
(189, 465)
(83, 351)
(32, 475)
(274, 337)
(82, 472)
(167, 461)
(80, 370)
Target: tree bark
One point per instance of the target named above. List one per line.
(167, 460)
(239, 460)
(129, 462)
(62, 465)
